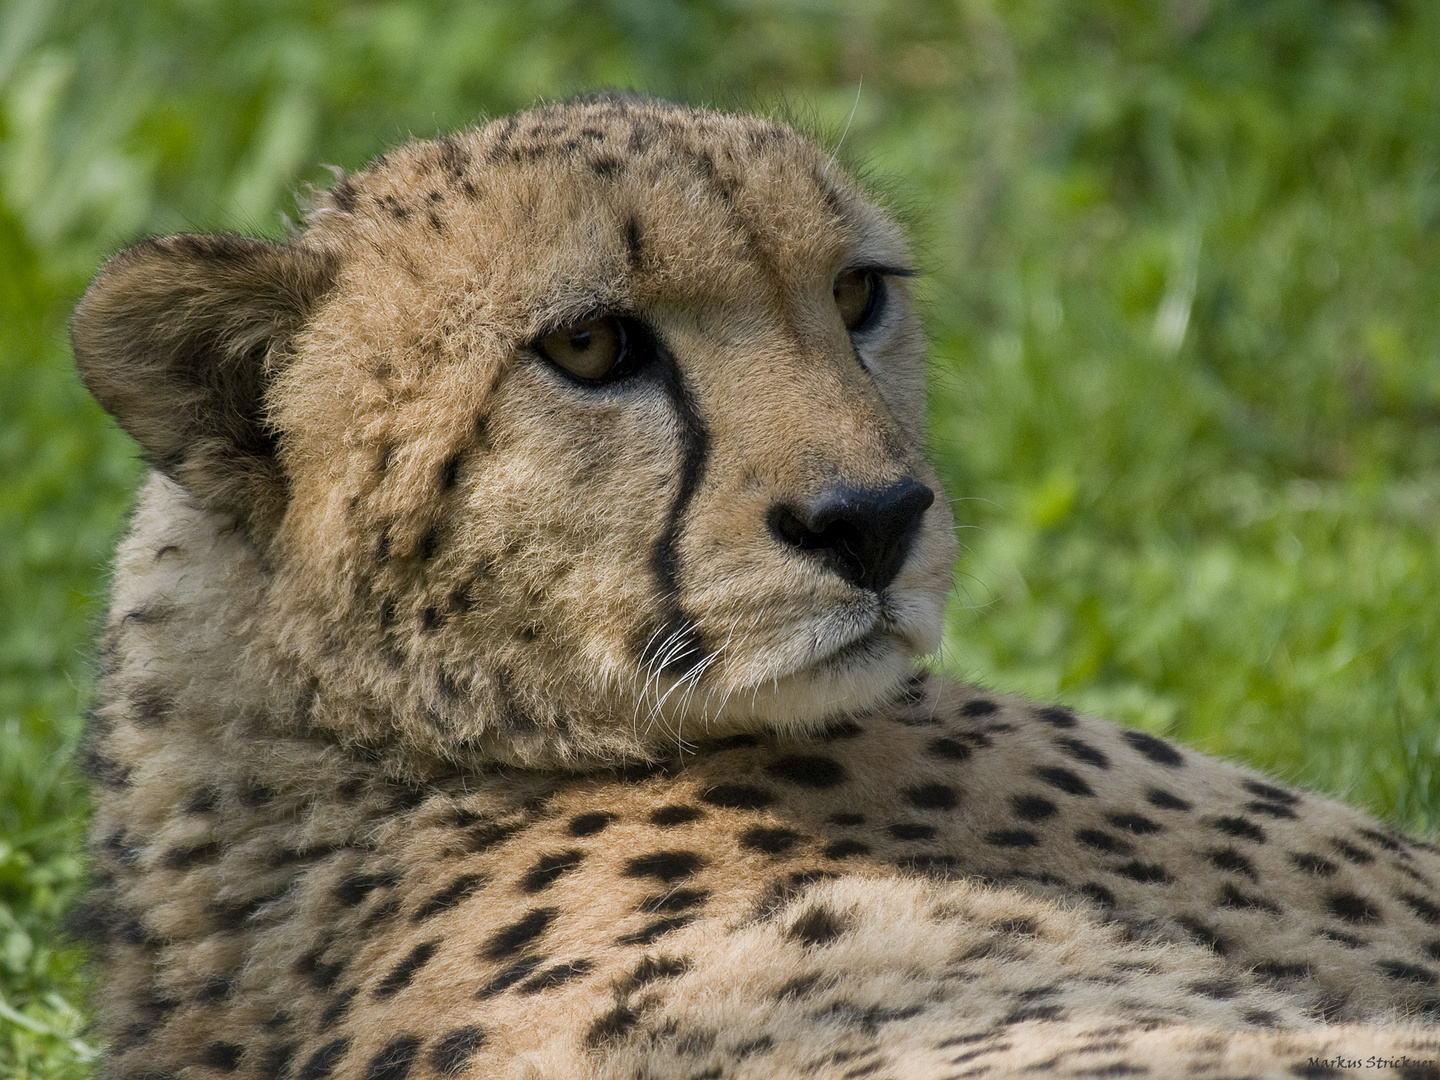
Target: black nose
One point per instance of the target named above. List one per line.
(863, 536)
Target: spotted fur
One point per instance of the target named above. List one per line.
(460, 719)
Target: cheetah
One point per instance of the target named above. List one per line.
(511, 671)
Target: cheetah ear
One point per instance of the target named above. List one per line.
(177, 337)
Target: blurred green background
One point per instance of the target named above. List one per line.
(1181, 278)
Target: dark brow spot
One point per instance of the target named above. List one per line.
(321, 1063)
(1271, 792)
(1134, 823)
(1357, 855)
(1231, 897)
(652, 932)
(769, 841)
(1204, 935)
(978, 707)
(1145, 873)
(675, 814)
(1422, 907)
(556, 976)
(845, 818)
(1231, 860)
(222, 1056)
(948, 749)
(508, 977)
(1271, 809)
(611, 1026)
(674, 900)
(909, 831)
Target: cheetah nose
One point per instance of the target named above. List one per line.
(863, 536)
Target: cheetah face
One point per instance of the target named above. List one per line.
(581, 434)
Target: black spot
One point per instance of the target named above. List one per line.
(1034, 1012)
(401, 975)
(1389, 843)
(1231, 897)
(1137, 824)
(1063, 779)
(666, 865)
(654, 968)
(556, 976)
(450, 472)
(215, 988)
(847, 819)
(276, 1060)
(1351, 908)
(770, 841)
(844, 849)
(1099, 893)
(1357, 855)
(675, 815)
(931, 797)
(509, 976)
(253, 794)
(394, 1060)
(1103, 841)
(652, 932)
(452, 896)
(813, 772)
(1032, 807)
(1012, 838)
(151, 707)
(511, 939)
(1083, 752)
(738, 797)
(798, 987)
(1232, 860)
(1165, 801)
(1145, 873)
(978, 707)
(948, 749)
(1350, 941)
(184, 858)
(1403, 972)
(1204, 935)
(1313, 864)
(908, 831)
(431, 620)
(343, 195)
(486, 836)
(549, 868)
(337, 1009)
(589, 824)
(841, 729)
(429, 543)
(605, 166)
(321, 1063)
(1218, 989)
(382, 550)
(1157, 750)
(1238, 827)
(1270, 809)
(634, 245)
(453, 1051)
(1056, 716)
(1422, 907)
(1276, 969)
(612, 1026)
(1270, 792)
(202, 801)
(220, 1055)
(675, 900)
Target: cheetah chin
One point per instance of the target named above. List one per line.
(510, 673)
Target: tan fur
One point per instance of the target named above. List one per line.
(393, 778)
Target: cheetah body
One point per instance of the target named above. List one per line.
(459, 718)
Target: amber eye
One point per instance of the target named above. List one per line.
(857, 293)
(593, 351)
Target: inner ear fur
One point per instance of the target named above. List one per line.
(177, 337)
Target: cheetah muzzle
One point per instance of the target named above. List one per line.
(510, 672)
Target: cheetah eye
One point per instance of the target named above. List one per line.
(857, 296)
(594, 351)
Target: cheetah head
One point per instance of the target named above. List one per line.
(579, 435)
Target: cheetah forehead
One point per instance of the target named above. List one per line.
(608, 203)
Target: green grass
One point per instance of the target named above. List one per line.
(1181, 277)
